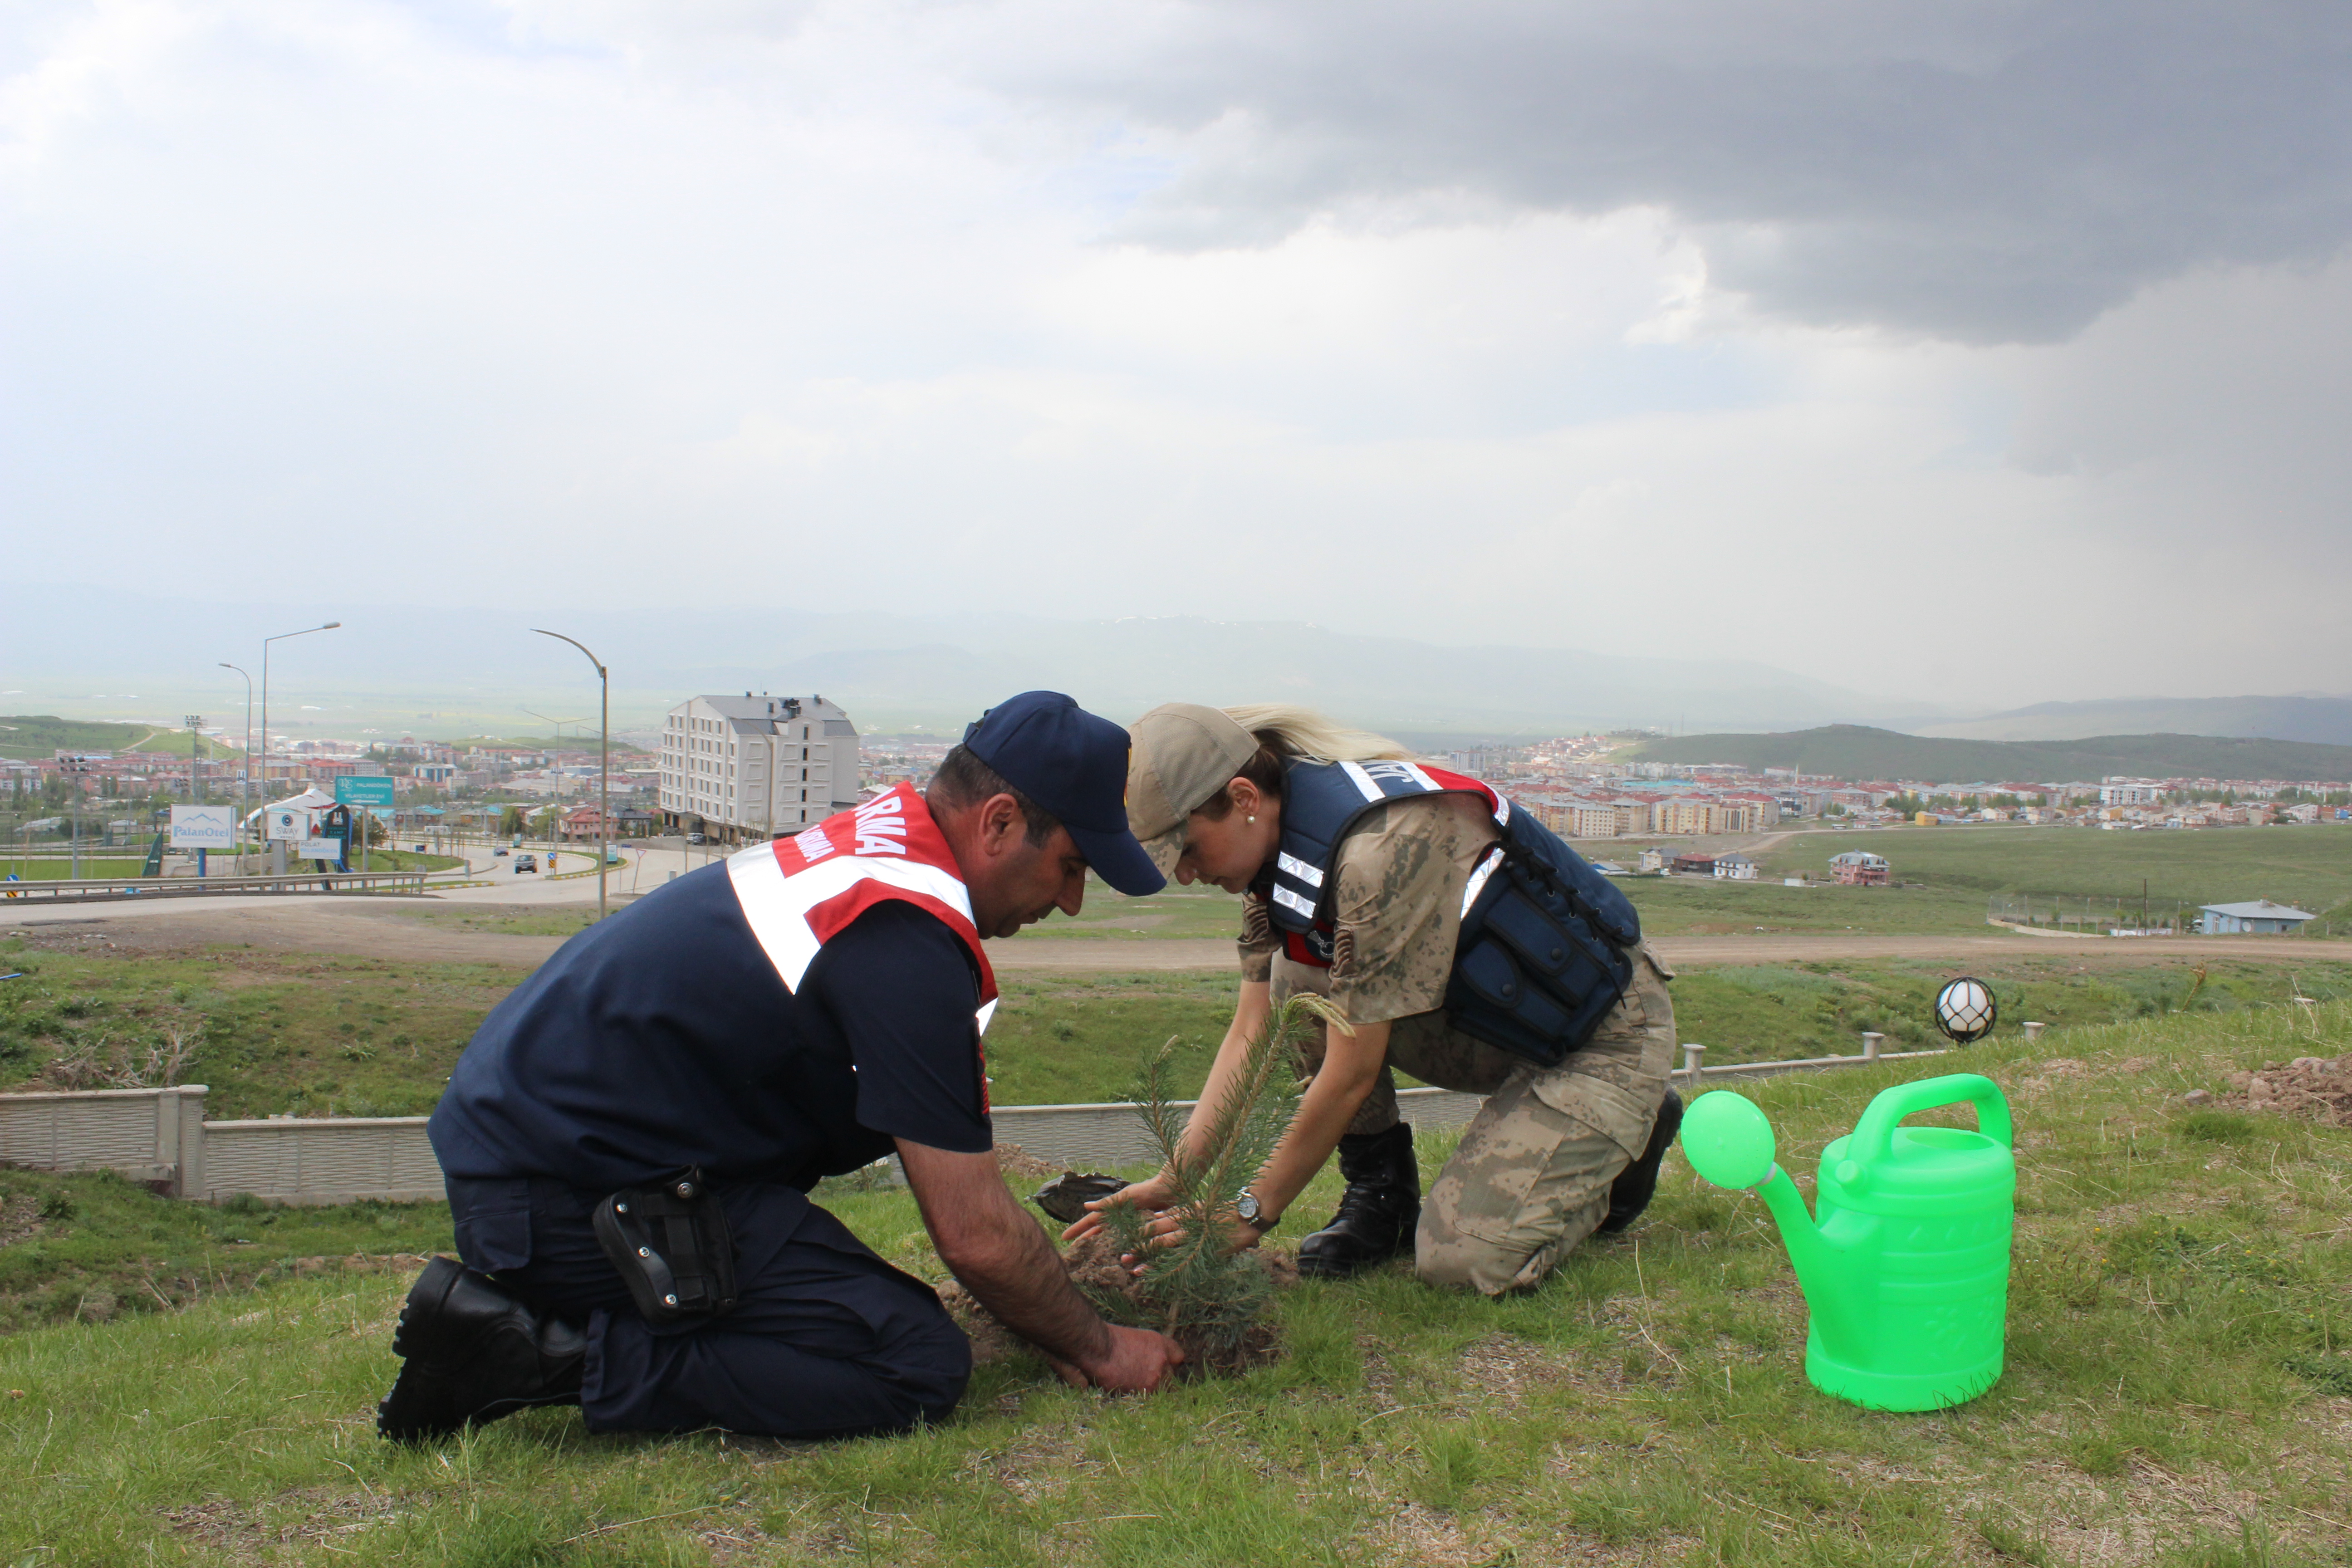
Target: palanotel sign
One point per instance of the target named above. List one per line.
(204, 827)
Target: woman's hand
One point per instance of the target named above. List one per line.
(1168, 1230)
(1152, 1196)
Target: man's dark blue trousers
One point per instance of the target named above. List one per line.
(826, 1339)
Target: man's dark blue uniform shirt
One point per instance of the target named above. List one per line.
(662, 1038)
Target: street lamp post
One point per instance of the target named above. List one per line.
(245, 783)
(196, 754)
(603, 763)
(77, 766)
(281, 637)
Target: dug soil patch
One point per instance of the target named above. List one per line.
(2318, 1087)
(1094, 1268)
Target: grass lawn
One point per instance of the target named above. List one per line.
(1764, 1013)
(2308, 866)
(323, 1034)
(96, 1248)
(60, 867)
(272, 1032)
(1703, 906)
(2178, 1393)
(380, 858)
(521, 920)
(1948, 871)
(1175, 911)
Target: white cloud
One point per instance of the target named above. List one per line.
(757, 306)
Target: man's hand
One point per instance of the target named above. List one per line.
(1002, 1256)
(1140, 1360)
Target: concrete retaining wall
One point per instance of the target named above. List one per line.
(160, 1136)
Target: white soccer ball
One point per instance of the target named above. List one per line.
(1964, 1011)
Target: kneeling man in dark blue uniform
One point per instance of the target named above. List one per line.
(630, 1138)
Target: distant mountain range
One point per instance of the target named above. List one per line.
(1854, 752)
(2324, 720)
(448, 672)
(474, 671)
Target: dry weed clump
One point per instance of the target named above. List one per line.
(106, 1063)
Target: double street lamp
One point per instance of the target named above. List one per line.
(603, 763)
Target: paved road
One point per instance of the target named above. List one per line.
(378, 927)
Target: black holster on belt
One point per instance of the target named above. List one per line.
(673, 1248)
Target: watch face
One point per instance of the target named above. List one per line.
(1246, 1207)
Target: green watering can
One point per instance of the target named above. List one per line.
(1906, 1272)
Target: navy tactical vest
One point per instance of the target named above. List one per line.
(1547, 941)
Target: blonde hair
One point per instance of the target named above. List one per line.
(1292, 731)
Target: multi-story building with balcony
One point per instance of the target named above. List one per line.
(756, 767)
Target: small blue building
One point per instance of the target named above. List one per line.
(2262, 918)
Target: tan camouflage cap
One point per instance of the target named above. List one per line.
(1182, 754)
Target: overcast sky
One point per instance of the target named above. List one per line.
(1988, 351)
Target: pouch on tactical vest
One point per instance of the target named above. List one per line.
(673, 1248)
(1540, 963)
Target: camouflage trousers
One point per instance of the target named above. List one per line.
(1532, 1175)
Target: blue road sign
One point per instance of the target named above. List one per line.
(363, 792)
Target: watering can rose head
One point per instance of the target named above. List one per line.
(1727, 1140)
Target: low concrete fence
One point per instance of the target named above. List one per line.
(150, 1135)
(160, 1136)
(322, 1160)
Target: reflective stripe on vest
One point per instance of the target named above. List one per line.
(1321, 800)
(797, 893)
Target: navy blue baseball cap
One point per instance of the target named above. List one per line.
(1074, 765)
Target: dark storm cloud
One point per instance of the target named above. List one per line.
(1985, 172)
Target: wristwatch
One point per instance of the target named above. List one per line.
(1251, 1214)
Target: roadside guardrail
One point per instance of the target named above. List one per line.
(86, 889)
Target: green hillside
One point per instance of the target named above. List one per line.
(37, 735)
(1857, 752)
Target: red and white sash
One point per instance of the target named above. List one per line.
(798, 892)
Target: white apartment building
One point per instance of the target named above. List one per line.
(756, 767)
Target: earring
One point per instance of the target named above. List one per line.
(1253, 819)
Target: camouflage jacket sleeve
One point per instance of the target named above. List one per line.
(1259, 942)
(1397, 907)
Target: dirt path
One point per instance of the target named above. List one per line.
(374, 928)
(346, 925)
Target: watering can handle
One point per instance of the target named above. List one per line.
(1873, 1135)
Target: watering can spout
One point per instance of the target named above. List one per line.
(1729, 1142)
(1821, 1261)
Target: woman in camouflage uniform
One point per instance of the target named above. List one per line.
(1554, 1154)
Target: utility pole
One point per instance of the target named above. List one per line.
(603, 763)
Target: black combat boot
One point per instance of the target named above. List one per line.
(1630, 1192)
(1378, 1212)
(474, 1354)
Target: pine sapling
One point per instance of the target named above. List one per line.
(1211, 1299)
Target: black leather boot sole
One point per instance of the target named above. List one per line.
(1378, 1213)
(470, 1352)
(1637, 1183)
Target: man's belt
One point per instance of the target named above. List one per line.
(672, 1248)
